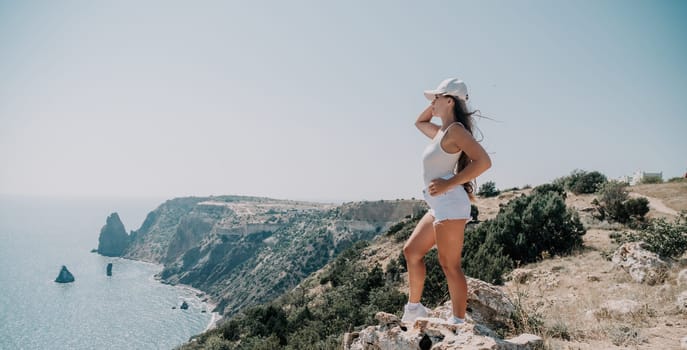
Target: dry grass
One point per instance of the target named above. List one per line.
(673, 194)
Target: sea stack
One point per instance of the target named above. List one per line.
(113, 239)
(65, 276)
(109, 269)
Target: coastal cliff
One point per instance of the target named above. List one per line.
(246, 250)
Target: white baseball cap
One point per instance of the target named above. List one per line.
(451, 86)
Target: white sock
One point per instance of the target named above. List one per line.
(413, 306)
(455, 319)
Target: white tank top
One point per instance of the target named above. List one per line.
(435, 161)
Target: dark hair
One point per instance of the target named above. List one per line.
(464, 117)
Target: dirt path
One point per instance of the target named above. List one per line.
(656, 204)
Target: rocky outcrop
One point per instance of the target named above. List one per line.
(433, 333)
(642, 265)
(113, 239)
(488, 308)
(64, 276)
(109, 269)
(488, 305)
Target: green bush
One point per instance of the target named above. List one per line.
(580, 181)
(664, 238)
(530, 225)
(402, 231)
(613, 204)
(474, 212)
(556, 188)
(677, 179)
(488, 189)
(483, 257)
(636, 208)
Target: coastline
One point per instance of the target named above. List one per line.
(210, 303)
(198, 294)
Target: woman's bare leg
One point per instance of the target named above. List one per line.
(419, 243)
(449, 239)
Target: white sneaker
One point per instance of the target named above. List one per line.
(455, 320)
(410, 315)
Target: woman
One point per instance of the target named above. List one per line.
(450, 162)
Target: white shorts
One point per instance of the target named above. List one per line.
(453, 204)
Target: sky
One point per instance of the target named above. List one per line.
(316, 100)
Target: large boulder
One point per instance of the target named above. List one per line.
(64, 276)
(642, 265)
(436, 333)
(113, 239)
(487, 304)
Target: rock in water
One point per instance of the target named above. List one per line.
(113, 239)
(65, 276)
(109, 269)
(184, 306)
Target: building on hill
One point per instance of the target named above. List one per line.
(639, 175)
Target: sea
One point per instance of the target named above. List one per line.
(128, 310)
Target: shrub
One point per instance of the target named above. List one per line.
(524, 230)
(613, 204)
(637, 208)
(217, 343)
(488, 189)
(531, 225)
(580, 181)
(556, 188)
(474, 212)
(402, 230)
(483, 257)
(664, 238)
(677, 179)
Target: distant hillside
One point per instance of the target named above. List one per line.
(247, 250)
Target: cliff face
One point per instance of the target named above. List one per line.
(113, 239)
(263, 250)
(246, 250)
(151, 242)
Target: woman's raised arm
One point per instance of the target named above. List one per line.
(423, 123)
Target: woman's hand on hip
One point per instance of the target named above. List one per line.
(438, 186)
